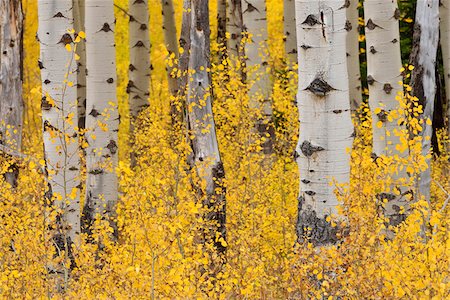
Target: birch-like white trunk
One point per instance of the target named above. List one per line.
(290, 31)
(383, 76)
(423, 78)
(201, 121)
(255, 24)
(59, 111)
(235, 28)
(78, 15)
(11, 102)
(171, 41)
(326, 131)
(354, 74)
(102, 119)
(139, 69)
(445, 46)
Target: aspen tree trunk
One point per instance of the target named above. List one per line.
(222, 27)
(290, 31)
(326, 131)
(445, 46)
(383, 69)
(139, 69)
(201, 122)
(354, 75)
(78, 14)
(235, 27)
(59, 113)
(423, 77)
(171, 41)
(102, 117)
(11, 102)
(255, 24)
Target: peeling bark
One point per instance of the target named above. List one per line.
(201, 123)
(11, 102)
(423, 78)
(101, 109)
(59, 112)
(326, 130)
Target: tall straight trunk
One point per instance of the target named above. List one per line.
(171, 41)
(326, 131)
(59, 112)
(139, 69)
(102, 119)
(383, 69)
(11, 102)
(445, 46)
(222, 27)
(354, 75)
(206, 156)
(290, 31)
(255, 24)
(235, 28)
(78, 15)
(423, 77)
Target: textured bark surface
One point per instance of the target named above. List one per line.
(255, 24)
(171, 40)
(139, 69)
(11, 102)
(423, 78)
(205, 147)
(326, 130)
(354, 75)
(290, 31)
(59, 111)
(383, 65)
(78, 15)
(102, 119)
(235, 27)
(222, 27)
(445, 46)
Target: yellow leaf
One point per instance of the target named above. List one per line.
(82, 34)
(379, 124)
(68, 48)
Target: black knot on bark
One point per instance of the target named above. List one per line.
(348, 25)
(387, 196)
(371, 25)
(397, 13)
(382, 115)
(94, 113)
(370, 80)
(319, 87)
(59, 15)
(110, 80)
(387, 88)
(305, 47)
(65, 39)
(309, 149)
(46, 81)
(311, 20)
(373, 50)
(106, 27)
(143, 27)
(112, 146)
(139, 44)
(45, 105)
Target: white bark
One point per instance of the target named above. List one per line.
(11, 102)
(235, 27)
(326, 131)
(78, 15)
(59, 110)
(101, 108)
(255, 24)
(171, 41)
(201, 121)
(290, 31)
(383, 69)
(445, 46)
(139, 70)
(354, 74)
(423, 79)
